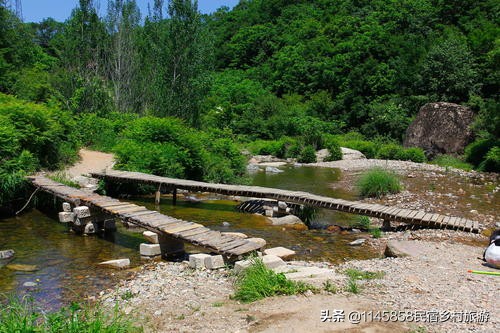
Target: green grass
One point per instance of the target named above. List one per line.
(376, 232)
(362, 222)
(217, 304)
(23, 316)
(355, 275)
(330, 287)
(448, 161)
(353, 287)
(257, 282)
(378, 182)
(63, 178)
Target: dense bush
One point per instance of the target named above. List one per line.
(378, 182)
(166, 147)
(491, 162)
(394, 151)
(102, 133)
(32, 136)
(334, 150)
(475, 153)
(307, 155)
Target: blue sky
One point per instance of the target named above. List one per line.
(37, 10)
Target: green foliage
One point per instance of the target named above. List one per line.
(452, 162)
(354, 140)
(307, 155)
(334, 151)
(491, 162)
(376, 232)
(166, 147)
(31, 136)
(330, 287)
(475, 153)
(257, 282)
(362, 222)
(356, 274)
(21, 315)
(63, 178)
(378, 182)
(394, 151)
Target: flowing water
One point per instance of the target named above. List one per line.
(67, 263)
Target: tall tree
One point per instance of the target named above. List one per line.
(182, 56)
(122, 57)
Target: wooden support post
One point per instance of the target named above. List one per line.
(174, 196)
(157, 197)
(386, 225)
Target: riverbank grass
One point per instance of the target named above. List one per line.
(378, 182)
(22, 315)
(257, 282)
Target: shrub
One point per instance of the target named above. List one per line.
(413, 154)
(491, 162)
(390, 151)
(378, 182)
(257, 282)
(368, 148)
(31, 136)
(166, 147)
(307, 155)
(334, 150)
(476, 152)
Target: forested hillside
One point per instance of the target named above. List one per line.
(299, 73)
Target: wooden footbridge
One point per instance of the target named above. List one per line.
(196, 234)
(388, 213)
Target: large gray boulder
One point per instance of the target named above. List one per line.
(441, 128)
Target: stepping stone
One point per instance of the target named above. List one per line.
(150, 250)
(280, 252)
(272, 261)
(151, 237)
(6, 254)
(358, 242)
(198, 260)
(117, 263)
(214, 262)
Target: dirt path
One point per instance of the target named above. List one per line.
(91, 161)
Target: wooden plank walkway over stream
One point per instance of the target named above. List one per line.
(194, 233)
(388, 213)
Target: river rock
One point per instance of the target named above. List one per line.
(259, 241)
(270, 169)
(286, 220)
(117, 263)
(441, 128)
(272, 261)
(321, 155)
(7, 254)
(280, 251)
(198, 260)
(399, 249)
(22, 268)
(235, 234)
(358, 242)
(29, 284)
(252, 167)
(351, 154)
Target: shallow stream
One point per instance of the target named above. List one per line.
(66, 264)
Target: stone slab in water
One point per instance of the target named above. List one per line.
(150, 250)
(117, 263)
(22, 268)
(280, 251)
(357, 242)
(6, 254)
